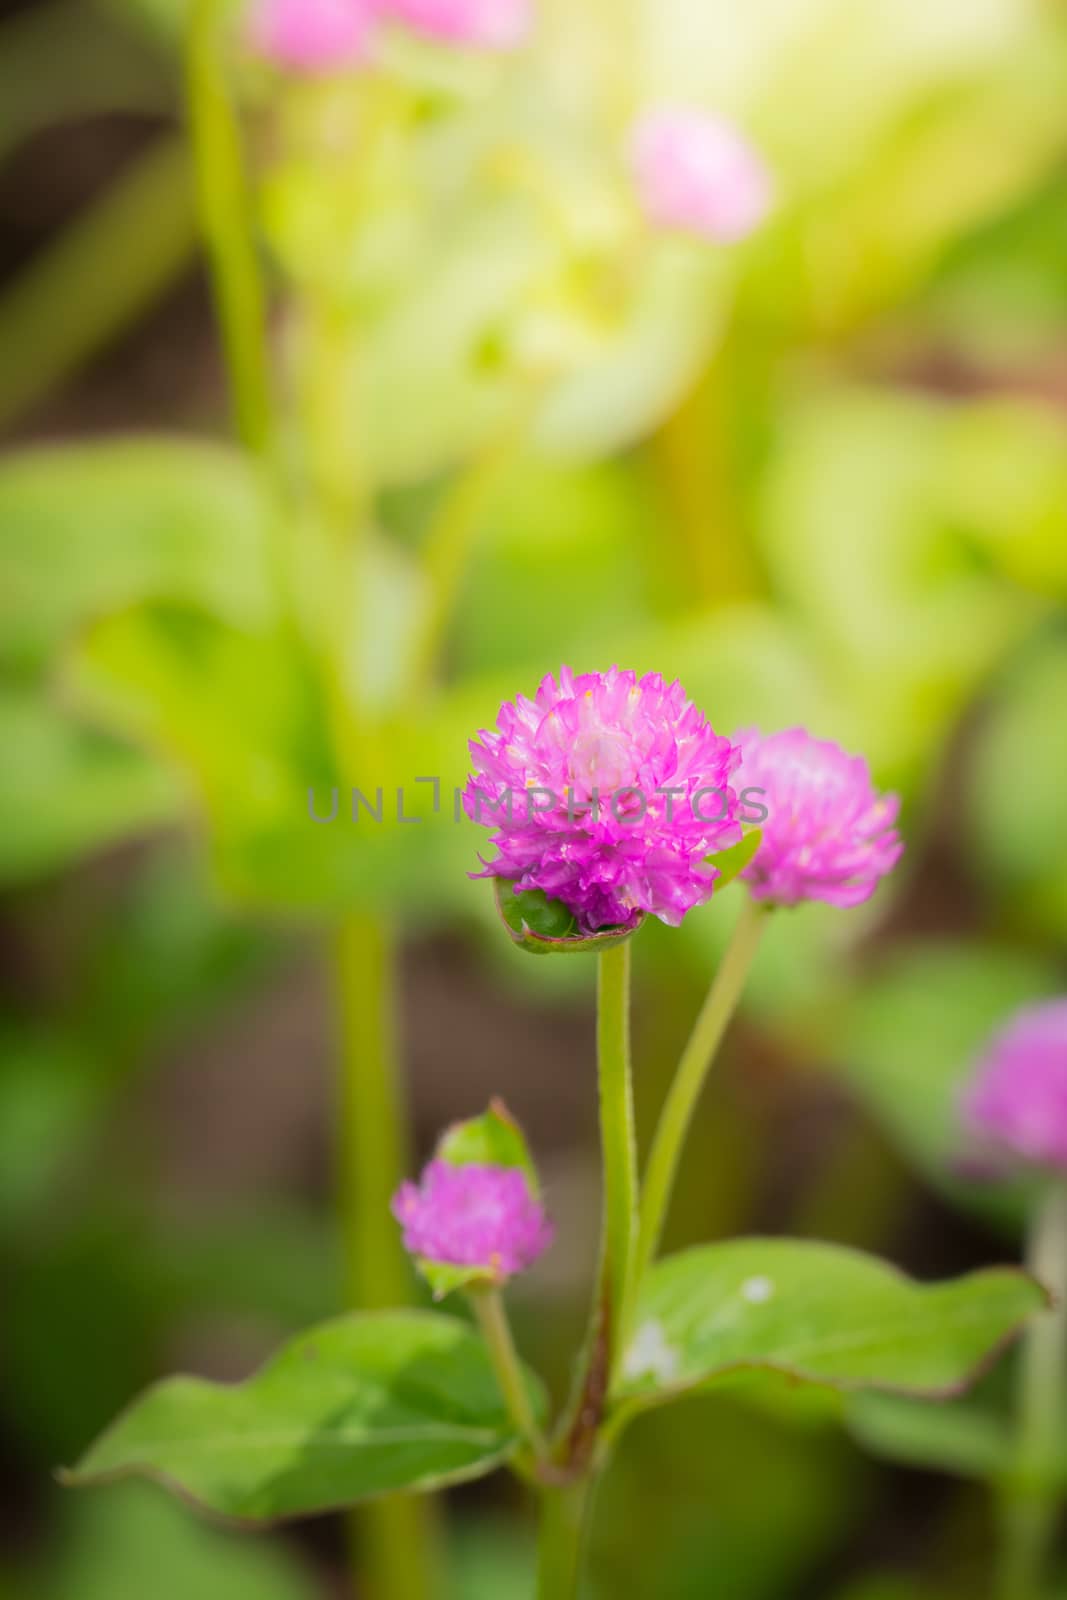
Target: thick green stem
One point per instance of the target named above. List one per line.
(493, 1320)
(226, 219)
(618, 1143)
(393, 1536)
(561, 1541)
(697, 1057)
(1032, 1503)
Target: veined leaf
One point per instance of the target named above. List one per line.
(820, 1313)
(361, 1406)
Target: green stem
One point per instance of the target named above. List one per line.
(372, 1153)
(618, 1143)
(692, 454)
(393, 1534)
(447, 548)
(579, 1453)
(561, 1539)
(226, 219)
(578, 1432)
(697, 1057)
(488, 1307)
(1032, 1503)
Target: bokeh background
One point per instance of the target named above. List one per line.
(821, 477)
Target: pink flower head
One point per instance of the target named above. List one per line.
(486, 24)
(473, 1216)
(312, 36)
(607, 792)
(828, 835)
(698, 174)
(1016, 1102)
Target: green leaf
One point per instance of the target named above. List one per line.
(282, 824)
(1006, 486)
(68, 789)
(133, 1541)
(820, 1313)
(546, 927)
(88, 529)
(361, 1406)
(877, 458)
(731, 863)
(963, 1438)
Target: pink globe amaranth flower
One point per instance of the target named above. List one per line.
(698, 174)
(1016, 1103)
(576, 783)
(828, 835)
(473, 1216)
(312, 36)
(486, 24)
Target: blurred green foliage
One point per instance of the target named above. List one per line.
(821, 479)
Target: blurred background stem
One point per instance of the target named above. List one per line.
(693, 457)
(1032, 1503)
(96, 278)
(226, 219)
(450, 539)
(392, 1536)
(447, 549)
(372, 1141)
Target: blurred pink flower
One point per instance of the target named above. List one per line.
(488, 24)
(698, 174)
(829, 834)
(313, 36)
(1016, 1103)
(606, 792)
(473, 1216)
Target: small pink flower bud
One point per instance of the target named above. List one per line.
(312, 36)
(828, 834)
(473, 1216)
(485, 24)
(1016, 1103)
(698, 174)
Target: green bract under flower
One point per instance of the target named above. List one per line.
(546, 927)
